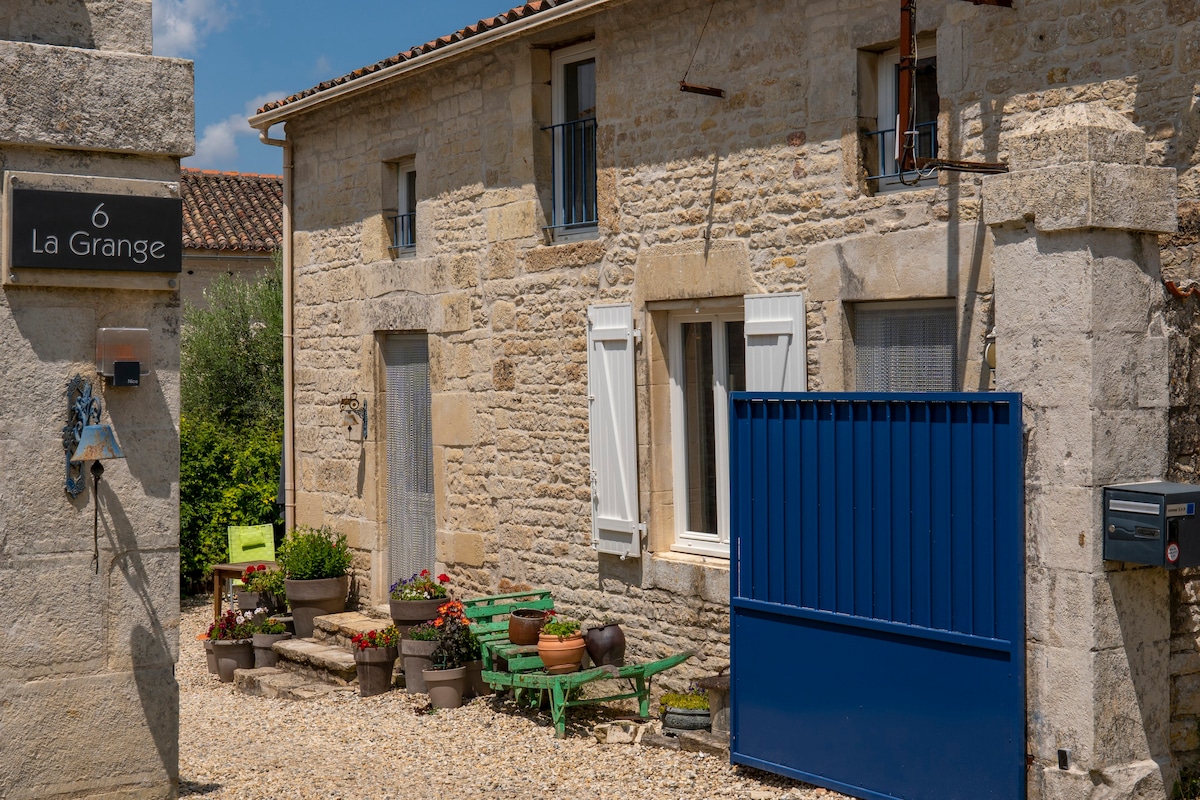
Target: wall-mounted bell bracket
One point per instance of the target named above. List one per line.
(354, 417)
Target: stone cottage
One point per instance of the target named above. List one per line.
(232, 225)
(546, 247)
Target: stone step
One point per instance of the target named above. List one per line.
(339, 629)
(283, 684)
(317, 660)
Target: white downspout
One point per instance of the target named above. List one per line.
(289, 414)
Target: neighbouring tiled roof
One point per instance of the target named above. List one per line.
(231, 210)
(520, 12)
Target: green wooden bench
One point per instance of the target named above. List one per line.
(517, 667)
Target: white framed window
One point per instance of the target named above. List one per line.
(707, 361)
(403, 223)
(884, 144)
(905, 346)
(573, 134)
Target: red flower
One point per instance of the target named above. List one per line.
(443, 578)
(424, 573)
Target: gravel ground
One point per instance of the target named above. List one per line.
(390, 746)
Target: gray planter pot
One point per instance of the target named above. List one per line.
(446, 686)
(374, 666)
(210, 656)
(312, 599)
(232, 654)
(264, 656)
(406, 613)
(416, 659)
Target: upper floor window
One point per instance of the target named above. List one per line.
(573, 134)
(905, 346)
(403, 222)
(885, 148)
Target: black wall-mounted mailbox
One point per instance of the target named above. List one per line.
(1152, 523)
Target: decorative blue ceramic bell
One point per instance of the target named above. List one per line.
(96, 443)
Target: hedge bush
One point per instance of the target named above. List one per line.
(228, 475)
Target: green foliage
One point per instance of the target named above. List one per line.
(270, 625)
(227, 476)
(693, 699)
(313, 553)
(1188, 785)
(231, 359)
(560, 626)
(425, 632)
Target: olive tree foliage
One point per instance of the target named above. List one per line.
(230, 432)
(231, 360)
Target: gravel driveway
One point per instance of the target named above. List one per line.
(342, 746)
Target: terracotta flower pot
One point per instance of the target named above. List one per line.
(416, 655)
(606, 645)
(406, 613)
(375, 666)
(446, 686)
(233, 654)
(561, 653)
(311, 599)
(524, 625)
(264, 656)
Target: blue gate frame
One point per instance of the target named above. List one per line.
(877, 592)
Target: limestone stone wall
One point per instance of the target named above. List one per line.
(699, 198)
(88, 698)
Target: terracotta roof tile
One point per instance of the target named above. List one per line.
(231, 210)
(520, 12)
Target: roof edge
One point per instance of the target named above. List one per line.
(264, 120)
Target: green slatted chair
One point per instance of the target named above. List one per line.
(250, 543)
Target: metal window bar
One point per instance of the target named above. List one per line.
(404, 230)
(573, 173)
(885, 144)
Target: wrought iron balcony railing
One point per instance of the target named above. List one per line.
(404, 232)
(573, 173)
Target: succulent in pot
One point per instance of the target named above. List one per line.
(686, 711)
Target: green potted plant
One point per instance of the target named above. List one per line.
(416, 649)
(446, 681)
(267, 632)
(375, 655)
(416, 599)
(685, 711)
(263, 589)
(560, 644)
(232, 644)
(315, 564)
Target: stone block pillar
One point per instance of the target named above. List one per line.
(1080, 334)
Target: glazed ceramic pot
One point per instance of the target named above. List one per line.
(417, 658)
(312, 599)
(524, 625)
(561, 653)
(375, 666)
(233, 654)
(446, 686)
(264, 656)
(606, 645)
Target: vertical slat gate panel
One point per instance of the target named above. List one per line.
(878, 546)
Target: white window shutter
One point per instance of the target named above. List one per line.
(612, 418)
(776, 358)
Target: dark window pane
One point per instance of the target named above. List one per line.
(700, 427)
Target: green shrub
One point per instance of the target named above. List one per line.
(227, 476)
(690, 700)
(313, 553)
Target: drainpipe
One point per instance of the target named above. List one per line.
(289, 417)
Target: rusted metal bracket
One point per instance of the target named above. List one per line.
(1003, 3)
(950, 165)
(711, 91)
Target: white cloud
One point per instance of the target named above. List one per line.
(217, 147)
(181, 25)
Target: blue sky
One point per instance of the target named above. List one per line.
(248, 52)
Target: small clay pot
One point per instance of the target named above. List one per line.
(524, 625)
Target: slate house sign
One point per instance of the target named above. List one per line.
(111, 232)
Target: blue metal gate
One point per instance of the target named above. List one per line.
(877, 598)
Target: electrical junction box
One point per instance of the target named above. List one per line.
(1152, 523)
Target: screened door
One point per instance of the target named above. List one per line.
(411, 517)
